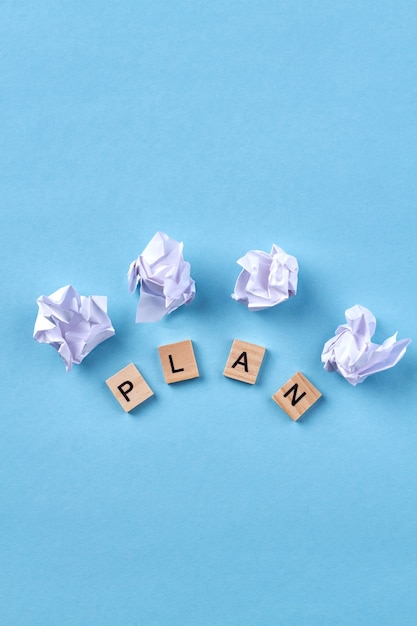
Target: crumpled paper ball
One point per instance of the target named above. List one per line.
(351, 352)
(164, 278)
(72, 324)
(266, 279)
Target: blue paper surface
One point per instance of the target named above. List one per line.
(230, 126)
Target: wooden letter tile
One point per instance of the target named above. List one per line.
(129, 387)
(296, 396)
(244, 361)
(178, 361)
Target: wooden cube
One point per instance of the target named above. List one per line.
(296, 396)
(178, 361)
(129, 387)
(244, 361)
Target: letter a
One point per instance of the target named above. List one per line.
(242, 360)
(245, 351)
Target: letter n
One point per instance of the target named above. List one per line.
(294, 398)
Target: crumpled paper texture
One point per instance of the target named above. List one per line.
(351, 352)
(72, 324)
(164, 278)
(266, 279)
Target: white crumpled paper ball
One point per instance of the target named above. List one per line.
(164, 278)
(351, 352)
(266, 279)
(72, 324)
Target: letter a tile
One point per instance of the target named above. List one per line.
(178, 361)
(296, 396)
(129, 387)
(244, 361)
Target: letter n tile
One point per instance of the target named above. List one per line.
(296, 396)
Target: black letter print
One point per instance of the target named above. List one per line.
(294, 389)
(124, 392)
(171, 362)
(242, 360)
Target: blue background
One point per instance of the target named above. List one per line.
(230, 125)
